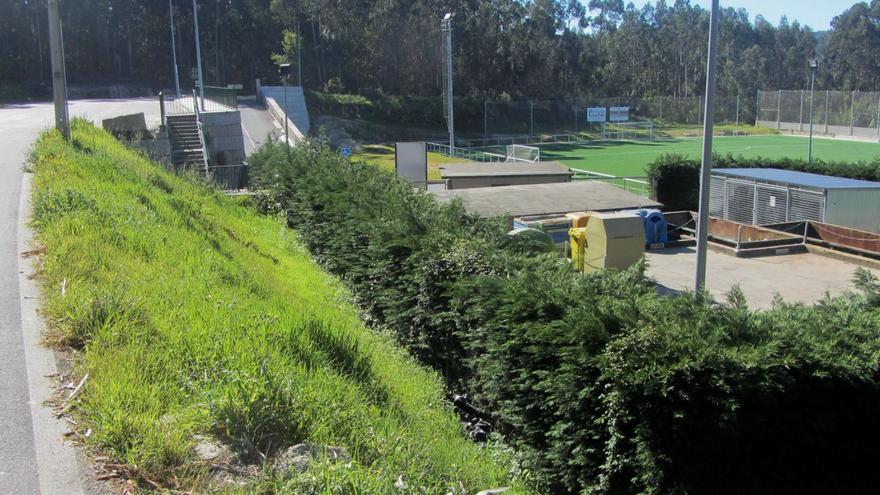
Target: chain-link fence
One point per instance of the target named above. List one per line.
(671, 115)
(836, 113)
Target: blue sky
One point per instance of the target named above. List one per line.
(813, 13)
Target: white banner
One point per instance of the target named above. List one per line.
(619, 114)
(596, 114)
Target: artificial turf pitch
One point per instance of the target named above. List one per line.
(631, 158)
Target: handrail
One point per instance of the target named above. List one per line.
(201, 130)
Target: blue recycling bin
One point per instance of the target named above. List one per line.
(656, 228)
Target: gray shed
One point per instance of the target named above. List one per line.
(763, 196)
(470, 175)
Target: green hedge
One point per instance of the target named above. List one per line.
(675, 179)
(600, 384)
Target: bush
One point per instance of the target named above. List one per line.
(599, 383)
(675, 179)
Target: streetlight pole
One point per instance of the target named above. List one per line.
(59, 77)
(814, 65)
(706, 168)
(284, 72)
(174, 50)
(199, 56)
(446, 27)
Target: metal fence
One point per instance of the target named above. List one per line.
(839, 113)
(216, 100)
(568, 115)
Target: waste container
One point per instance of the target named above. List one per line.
(656, 228)
(614, 240)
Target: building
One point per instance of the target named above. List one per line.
(471, 175)
(766, 196)
(546, 199)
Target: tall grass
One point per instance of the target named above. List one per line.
(193, 315)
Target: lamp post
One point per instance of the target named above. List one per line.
(284, 72)
(814, 66)
(446, 28)
(174, 51)
(199, 55)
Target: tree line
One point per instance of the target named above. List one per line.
(522, 48)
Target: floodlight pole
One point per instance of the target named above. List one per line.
(446, 27)
(706, 167)
(174, 50)
(199, 55)
(814, 64)
(59, 77)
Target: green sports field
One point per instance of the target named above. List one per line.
(630, 158)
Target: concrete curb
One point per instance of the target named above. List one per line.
(57, 466)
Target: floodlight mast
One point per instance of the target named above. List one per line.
(706, 167)
(814, 66)
(446, 28)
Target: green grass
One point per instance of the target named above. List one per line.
(382, 156)
(631, 158)
(192, 315)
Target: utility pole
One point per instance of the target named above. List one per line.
(299, 65)
(814, 65)
(199, 55)
(446, 27)
(59, 80)
(174, 51)
(706, 167)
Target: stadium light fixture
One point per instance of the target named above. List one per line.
(814, 66)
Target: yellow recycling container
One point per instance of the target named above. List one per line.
(614, 240)
(578, 240)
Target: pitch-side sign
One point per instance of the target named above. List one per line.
(619, 114)
(596, 114)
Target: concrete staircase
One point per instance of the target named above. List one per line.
(187, 151)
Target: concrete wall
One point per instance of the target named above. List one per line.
(297, 112)
(224, 137)
(819, 129)
(509, 180)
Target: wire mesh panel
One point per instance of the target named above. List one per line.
(768, 106)
(740, 202)
(865, 108)
(771, 205)
(791, 106)
(806, 205)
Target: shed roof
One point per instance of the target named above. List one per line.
(542, 199)
(502, 169)
(803, 179)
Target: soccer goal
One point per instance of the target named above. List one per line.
(641, 130)
(523, 153)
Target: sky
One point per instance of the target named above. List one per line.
(814, 13)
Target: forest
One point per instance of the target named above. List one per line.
(521, 48)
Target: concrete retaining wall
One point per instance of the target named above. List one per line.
(224, 137)
(819, 129)
(297, 112)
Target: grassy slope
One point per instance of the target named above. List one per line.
(383, 156)
(197, 316)
(632, 158)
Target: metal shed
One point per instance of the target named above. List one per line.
(762, 196)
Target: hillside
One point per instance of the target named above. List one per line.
(203, 324)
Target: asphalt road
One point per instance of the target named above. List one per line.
(20, 124)
(258, 125)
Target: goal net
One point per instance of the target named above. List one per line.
(629, 131)
(523, 153)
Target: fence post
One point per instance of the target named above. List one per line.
(852, 111)
(736, 128)
(162, 109)
(878, 118)
(778, 107)
(531, 119)
(485, 119)
(826, 111)
(575, 106)
(757, 106)
(801, 115)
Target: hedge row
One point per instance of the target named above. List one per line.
(600, 384)
(675, 179)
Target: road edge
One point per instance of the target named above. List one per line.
(57, 467)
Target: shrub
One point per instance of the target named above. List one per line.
(599, 383)
(675, 179)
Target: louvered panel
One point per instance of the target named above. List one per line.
(716, 197)
(806, 205)
(771, 205)
(740, 202)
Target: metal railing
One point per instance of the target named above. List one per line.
(216, 100)
(201, 127)
(636, 184)
(467, 154)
